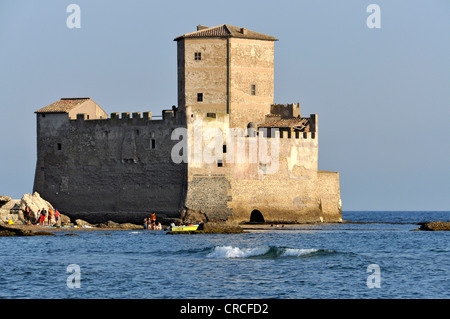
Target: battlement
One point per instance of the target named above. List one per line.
(285, 134)
(290, 127)
(134, 117)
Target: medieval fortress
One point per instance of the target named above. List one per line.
(227, 152)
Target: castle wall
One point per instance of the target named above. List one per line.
(288, 188)
(330, 194)
(295, 192)
(118, 168)
(283, 191)
(123, 168)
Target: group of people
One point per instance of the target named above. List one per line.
(151, 223)
(44, 217)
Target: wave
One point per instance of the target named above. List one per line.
(270, 252)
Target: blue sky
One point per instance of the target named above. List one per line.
(382, 95)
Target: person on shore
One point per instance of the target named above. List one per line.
(43, 216)
(56, 216)
(145, 223)
(27, 215)
(158, 226)
(153, 219)
(38, 217)
(49, 217)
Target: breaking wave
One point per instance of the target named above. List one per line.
(221, 252)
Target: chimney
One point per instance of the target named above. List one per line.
(201, 27)
(244, 31)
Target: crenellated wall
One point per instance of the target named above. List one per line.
(288, 188)
(118, 168)
(122, 168)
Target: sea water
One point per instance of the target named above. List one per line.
(377, 256)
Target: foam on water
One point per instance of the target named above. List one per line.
(298, 252)
(262, 252)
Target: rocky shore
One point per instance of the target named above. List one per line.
(13, 211)
(7, 230)
(22, 230)
(13, 220)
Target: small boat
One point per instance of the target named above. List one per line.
(183, 228)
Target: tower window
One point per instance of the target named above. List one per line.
(59, 146)
(253, 89)
(153, 143)
(219, 163)
(198, 56)
(199, 97)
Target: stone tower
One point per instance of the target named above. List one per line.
(226, 70)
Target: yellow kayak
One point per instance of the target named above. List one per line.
(183, 228)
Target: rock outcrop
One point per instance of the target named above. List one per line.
(113, 225)
(435, 226)
(14, 209)
(4, 199)
(9, 231)
(7, 205)
(35, 202)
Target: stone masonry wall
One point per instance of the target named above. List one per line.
(118, 169)
(288, 189)
(210, 195)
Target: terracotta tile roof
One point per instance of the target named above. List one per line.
(63, 106)
(300, 124)
(226, 30)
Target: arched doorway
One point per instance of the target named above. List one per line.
(256, 217)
